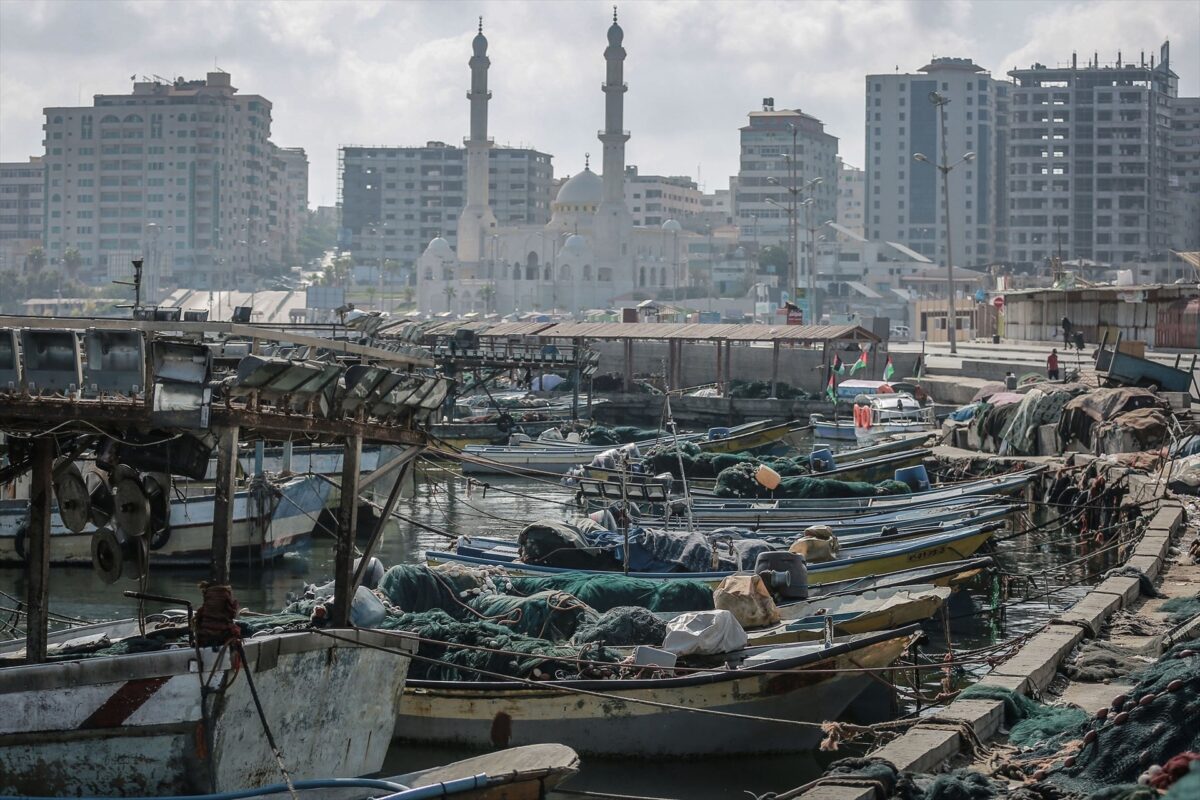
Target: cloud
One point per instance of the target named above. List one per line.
(379, 72)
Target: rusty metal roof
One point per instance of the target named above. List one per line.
(684, 331)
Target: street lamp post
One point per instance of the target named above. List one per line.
(945, 167)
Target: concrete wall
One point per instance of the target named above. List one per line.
(800, 367)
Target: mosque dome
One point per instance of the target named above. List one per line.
(615, 34)
(672, 225)
(582, 189)
(575, 245)
(439, 247)
(479, 43)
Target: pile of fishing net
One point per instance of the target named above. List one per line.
(699, 463)
(739, 481)
(623, 626)
(604, 436)
(762, 390)
(454, 650)
(606, 592)
(1154, 722)
(1181, 609)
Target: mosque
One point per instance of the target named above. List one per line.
(589, 256)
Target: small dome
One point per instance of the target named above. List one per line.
(439, 247)
(740, 253)
(479, 44)
(583, 188)
(615, 34)
(672, 225)
(575, 244)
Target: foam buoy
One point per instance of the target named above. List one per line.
(767, 477)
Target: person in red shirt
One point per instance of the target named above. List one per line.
(1052, 365)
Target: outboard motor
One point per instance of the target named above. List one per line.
(784, 573)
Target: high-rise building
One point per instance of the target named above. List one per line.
(1184, 180)
(1089, 161)
(851, 189)
(904, 197)
(21, 211)
(654, 199)
(175, 172)
(769, 142)
(289, 204)
(395, 200)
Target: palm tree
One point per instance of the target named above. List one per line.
(342, 265)
(450, 292)
(72, 260)
(488, 295)
(35, 259)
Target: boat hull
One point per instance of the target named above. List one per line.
(500, 716)
(132, 724)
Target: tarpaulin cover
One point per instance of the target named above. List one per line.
(1085, 411)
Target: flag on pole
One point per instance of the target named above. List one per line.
(889, 370)
(830, 390)
(838, 367)
(860, 364)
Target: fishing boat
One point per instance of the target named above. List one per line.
(775, 687)
(183, 720)
(857, 562)
(875, 416)
(268, 520)
(864, 612)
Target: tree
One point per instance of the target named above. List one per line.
(35, 259)
(318, 235)
(450, 292)
(342, 265)
(390, 268)
(72, 260)
(773, 257)
(371, 292)
(408, 295)
(488, 295)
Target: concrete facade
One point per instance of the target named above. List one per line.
(395, 200)
(852, 190)
(1184, 180)
(768, 142)
(22, 212)
(192, 158)
(654, 199)
(1089, 161)
(904, 197)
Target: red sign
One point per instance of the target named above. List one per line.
(795, 317)
(998, 301)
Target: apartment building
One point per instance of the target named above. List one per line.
(1184, 178)
(289, 203)
(21, 211)
(395, 200)
(851, 195)
(1089, 161)
(176, 171)
(782, 150)
(654, 199)
(904, 201)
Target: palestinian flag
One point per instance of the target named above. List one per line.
(838, 367)
(860, 364)
(831, 390)
(889, 370)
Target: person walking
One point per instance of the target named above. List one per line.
(1052, 365)
(1066, 329)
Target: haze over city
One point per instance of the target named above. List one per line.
(394, 72)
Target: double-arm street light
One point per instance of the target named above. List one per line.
(795, 191)
(940, 101)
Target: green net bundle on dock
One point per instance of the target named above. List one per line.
(740, 482)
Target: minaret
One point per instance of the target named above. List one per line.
(477, 219)
(613, 217)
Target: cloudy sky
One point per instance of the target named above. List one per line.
(394, 72)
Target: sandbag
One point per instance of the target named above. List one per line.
(704, 633)
(747, 598)
(814, 550)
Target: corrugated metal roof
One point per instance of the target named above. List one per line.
(685, 331)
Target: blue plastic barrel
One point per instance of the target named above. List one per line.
(916, 477)
(821, 459)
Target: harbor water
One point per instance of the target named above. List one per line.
(442, 500)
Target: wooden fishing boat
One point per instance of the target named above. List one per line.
(882, 415)
(807, 683)
(952, 574)
(267, 522)
(182, 720)
(865, 612)
(857, 562)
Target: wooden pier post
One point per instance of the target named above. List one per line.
(37, 596)
(223, 503)
(347, 523)
(775, 368)
(628, 366)
(385, 514)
